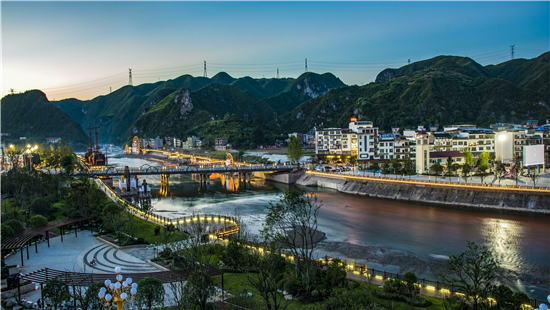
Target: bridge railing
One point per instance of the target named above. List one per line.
(163, 170)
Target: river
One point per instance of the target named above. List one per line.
(386, 234)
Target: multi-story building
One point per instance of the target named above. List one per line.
(328, 141)
(349, 142)
(221, 144)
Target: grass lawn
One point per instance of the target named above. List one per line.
(146, 230)
(237, 283)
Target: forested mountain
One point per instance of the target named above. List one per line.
(31, 115)
(441, 90)
(116, 112)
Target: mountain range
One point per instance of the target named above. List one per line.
(440, 90)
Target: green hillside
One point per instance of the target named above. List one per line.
(181, 111)
(445, 93)
(31, 115)
(307, 86)
(533, 74)
(116, 112)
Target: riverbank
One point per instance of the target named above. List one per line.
(425, 192)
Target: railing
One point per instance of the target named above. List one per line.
(164, 170)
(162, 220)
(403, 180)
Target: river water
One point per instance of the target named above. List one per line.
(386, 234)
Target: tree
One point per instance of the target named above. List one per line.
(199, 285)
(437, 168)
(517, 169)
(396, 165)
(472, 272)
(408, 165)
(40, 206)
(353, 160)
(466, 169)
(37, 221)
(265, 272)
(484, 158)
(336, 276)
(150, 292)
(375, 166)
(294, 149)
(505, 299)
(292, 222)
(468, 157)
(411, 289)
(235, 254)
(534, 176)
(455, 167)
(482, 171)
(345, 158)
(7, 231)
(56, 291)
(500, 171)
(449, 165)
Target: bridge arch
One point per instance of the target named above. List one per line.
(229, 160)
(135, 145)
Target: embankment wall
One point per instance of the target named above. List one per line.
(480, 198)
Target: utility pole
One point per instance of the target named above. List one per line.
(306, 64)
(130, 77)
(512, 51)
(277, 72)
(205, 75)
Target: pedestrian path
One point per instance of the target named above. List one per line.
(104, 258)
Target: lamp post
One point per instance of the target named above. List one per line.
(117, 292)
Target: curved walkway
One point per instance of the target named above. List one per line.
(106, 258)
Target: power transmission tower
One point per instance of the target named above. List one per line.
(130, 77)
(110, 89)
(306, 64)
(12, 90)
(277, 72)
(205, 75)
(512, 51)
(409, 62)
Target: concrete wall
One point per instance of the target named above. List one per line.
(284, 177)
(485, 198)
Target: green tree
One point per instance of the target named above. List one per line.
(353, 160)
(449, 165)
(235, 254)
(56, 291)
(472, 272)
(468, 157)
(482, 171)
(517, 169)
(336, 276)
(37, 221)
(375, 166)
(484, 158)
(408, 165)
(437, 168)
(294, 149)
(505, 299)
(40, 206)
(396, 165)
(292, 222)
(198, 288)
(455, 167)
(411, 289)
(466, 169)
(150, 292)
(265, 272)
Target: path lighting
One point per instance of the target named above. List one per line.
(118, 292)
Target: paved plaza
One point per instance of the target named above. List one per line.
(84, 253)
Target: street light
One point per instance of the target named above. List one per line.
(117, 293)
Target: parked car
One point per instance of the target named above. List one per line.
(327, 168)
(319, 168)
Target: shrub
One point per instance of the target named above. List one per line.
(292, 286)
(140, 240)
(7, 231)
(37, 221)
(419, 301)
(157, 230)
(315, 293)
(15, 225)
(41, 206)
(111, 209)
(394, 286)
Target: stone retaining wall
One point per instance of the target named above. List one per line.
(485, 198)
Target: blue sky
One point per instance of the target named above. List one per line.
(80, 49)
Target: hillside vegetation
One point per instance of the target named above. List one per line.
(441, 90)
(117, 112)
(31, 115)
